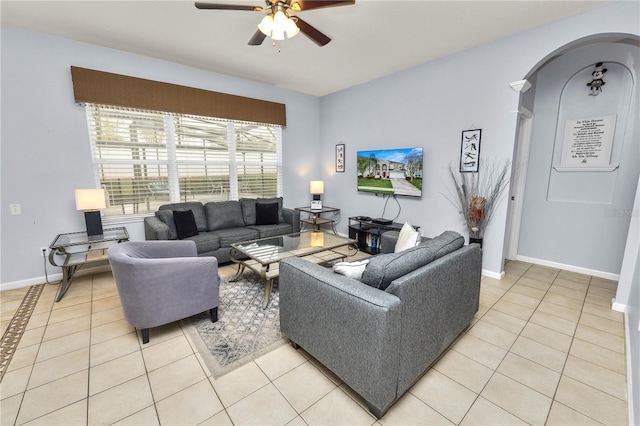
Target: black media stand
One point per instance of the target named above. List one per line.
(368, 233)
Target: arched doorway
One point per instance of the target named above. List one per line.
(576, 219)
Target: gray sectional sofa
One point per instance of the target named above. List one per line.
(221, 223)
(382, 333)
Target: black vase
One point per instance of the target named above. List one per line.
(475, 241)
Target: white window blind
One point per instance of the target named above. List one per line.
(144, 159)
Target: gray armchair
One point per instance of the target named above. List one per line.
(163, 281)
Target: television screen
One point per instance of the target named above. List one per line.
(391, 171)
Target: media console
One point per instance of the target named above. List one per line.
(367, 232)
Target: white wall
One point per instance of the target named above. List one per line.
(430, 105)
(45, 146)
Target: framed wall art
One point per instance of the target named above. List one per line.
(340, 158)
(470, 150)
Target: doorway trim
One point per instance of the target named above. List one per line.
(519, 179)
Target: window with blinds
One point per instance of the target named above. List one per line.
(143, 159)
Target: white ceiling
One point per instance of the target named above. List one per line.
(370, 39)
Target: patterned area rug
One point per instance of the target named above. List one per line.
(244, 331)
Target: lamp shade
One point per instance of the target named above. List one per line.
(90, 199)
(266, 25)
(316, 187)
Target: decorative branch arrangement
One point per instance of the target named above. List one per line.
(477, 194)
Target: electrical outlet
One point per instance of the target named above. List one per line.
(43, 251)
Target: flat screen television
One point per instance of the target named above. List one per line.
(391, 171)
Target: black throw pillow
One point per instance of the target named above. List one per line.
(267, 213)
(185, 224)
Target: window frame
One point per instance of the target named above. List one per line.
(173, 164)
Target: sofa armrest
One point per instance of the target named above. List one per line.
(292, 217)
(350, 327)
(439, 300)
(155, 229)
(388, 241)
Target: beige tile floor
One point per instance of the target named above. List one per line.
(544, 349)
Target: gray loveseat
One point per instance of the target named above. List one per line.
(382, 336)
(221, 223)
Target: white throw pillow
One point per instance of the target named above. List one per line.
(408, 238)
(351, 269)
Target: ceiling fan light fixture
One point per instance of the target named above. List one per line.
(291, 28)
(277, 34)
(278, 25)
(266, 25)
(279, 18)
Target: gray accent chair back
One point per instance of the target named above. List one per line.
(160, 282)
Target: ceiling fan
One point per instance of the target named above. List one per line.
(279, 22)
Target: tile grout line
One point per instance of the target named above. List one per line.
(451, 347)
(564, 365)
(495, 370)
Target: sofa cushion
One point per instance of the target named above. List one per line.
(272, 230)
(223, 215)
(166, 216)
(446, 243)
(185, 224)
(195, 206)
(407, 238)
(384, 268)
(235, 235)
(248, 206)
(267, 214)
(206, 242)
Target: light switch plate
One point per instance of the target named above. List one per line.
(15, 209)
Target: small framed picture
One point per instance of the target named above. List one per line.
(470, 150)
(340, 158)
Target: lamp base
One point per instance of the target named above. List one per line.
(94, 222)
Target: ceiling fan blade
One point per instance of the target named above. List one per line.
(257, 38)
(218, 6)
(316, 36)
(317, 4)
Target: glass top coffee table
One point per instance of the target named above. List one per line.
(264, 255)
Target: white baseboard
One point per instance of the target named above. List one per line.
(571, 268)
(618, 307)
(492, 274)
(53, 278)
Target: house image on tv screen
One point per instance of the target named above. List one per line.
(391, 171)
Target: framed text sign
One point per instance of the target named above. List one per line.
(340, 157)
(470, 150)
(587, 144)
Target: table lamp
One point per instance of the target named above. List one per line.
(91, 201)
(316, 188)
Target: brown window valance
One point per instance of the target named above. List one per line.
(120, 90)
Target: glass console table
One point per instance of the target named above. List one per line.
(70, 251)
